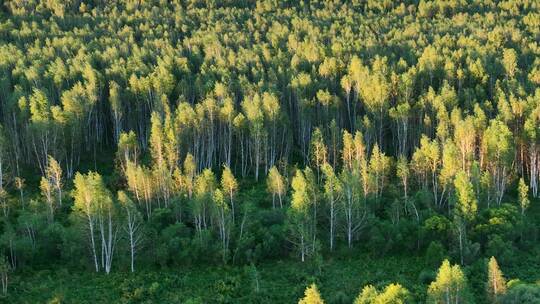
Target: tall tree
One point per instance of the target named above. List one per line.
(449, 168)
(47, 193)
(252, 107)
(53, 173)
(94, 204)
(205, 185)
(401, 114)
(300, 217)
(161, 171)
(523, 192)
(318, 150)
(403, 173)
(276, 185)
(379, 169)
(426, 161)
(333, 191)
(132, 225)
(497, 145)
(465, 209)
(230, 186)
(115, 101)
(509, 62)
(127, 150)
(354, 207)
(374, 88)
(223, 221)
(450, 286)
(227, 113)
(272, 110)
(496, 284)
(532, 133)
(42, 127)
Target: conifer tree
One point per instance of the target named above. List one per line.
(311, 296)
(496, 284)
(367, 296)
(393, 294)
(510, 62)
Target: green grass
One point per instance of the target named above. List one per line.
(279, 282)
(339, 281)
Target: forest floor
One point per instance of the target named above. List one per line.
(340, 280)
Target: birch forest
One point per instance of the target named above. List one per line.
(268, 151)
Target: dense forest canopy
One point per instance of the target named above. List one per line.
(146, 134)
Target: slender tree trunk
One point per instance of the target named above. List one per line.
(302, 247)
(332, 223)
(93, 242)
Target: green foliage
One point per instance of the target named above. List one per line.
(392, 294)
(522, 293)
(379, 127)
(435, 254)
(450, 286)
(496, 284)
(466, 205)
(311, 296)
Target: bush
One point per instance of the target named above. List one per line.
(435, 254)
(522, 293)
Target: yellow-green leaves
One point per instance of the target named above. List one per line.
(523, 192)
(311, 296)
(392, 294)
(300, 195)
(205, 183)
(449, 287)
(496, 284)
(466, 204)
(90, 194)
(509, 62)
(275, 185)
(219, 199)
(228, 182)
